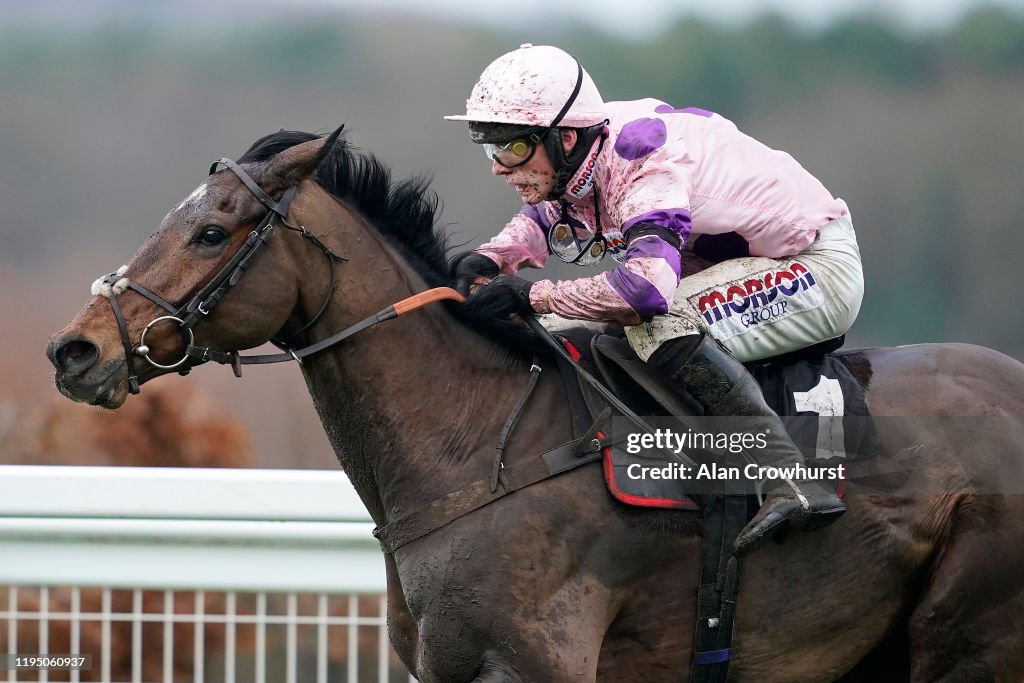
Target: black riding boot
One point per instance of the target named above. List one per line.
(709, 373)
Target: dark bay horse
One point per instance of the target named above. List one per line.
(560, 582)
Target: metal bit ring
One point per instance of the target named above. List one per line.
(143, 350)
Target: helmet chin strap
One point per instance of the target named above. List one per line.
(566, 165)
(553, 141)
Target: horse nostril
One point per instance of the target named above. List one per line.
(75, 357)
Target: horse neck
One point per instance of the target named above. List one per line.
(409, 406)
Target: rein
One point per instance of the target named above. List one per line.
(233, 358)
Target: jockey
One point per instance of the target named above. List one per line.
(636, 181)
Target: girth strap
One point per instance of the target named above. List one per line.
(510, 425)
(457, 504)
(724, 518)
(581, 450)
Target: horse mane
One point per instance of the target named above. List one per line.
(405, 212)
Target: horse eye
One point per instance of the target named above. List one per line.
(212, 236)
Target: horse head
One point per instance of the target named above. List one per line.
(144, 318)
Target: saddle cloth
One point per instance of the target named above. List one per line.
(821, 403)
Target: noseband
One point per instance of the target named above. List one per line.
(203, 303)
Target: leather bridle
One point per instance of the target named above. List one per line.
(202, 304)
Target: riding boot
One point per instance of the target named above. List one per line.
(720, 383)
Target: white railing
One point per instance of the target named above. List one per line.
(192, 575)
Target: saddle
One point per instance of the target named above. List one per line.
(820, 401)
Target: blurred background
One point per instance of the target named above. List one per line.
(111, 112)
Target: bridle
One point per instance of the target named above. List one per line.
(202, 304)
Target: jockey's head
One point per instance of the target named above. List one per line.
(535, 96)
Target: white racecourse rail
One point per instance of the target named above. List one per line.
(270, 575)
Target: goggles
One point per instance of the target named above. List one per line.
(565, 243)
(514, 153)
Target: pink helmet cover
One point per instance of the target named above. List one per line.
(529, 86)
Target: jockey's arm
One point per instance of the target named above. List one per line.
(522, 243)
(636, 291)
(649, 198)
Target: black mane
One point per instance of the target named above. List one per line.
(405, 212)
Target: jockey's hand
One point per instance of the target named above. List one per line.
(505, 295)
(473, 269)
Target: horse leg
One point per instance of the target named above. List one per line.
(402, 631)
(554, 643)
(651, 638)
(652, 643)
(508, 617)
(531, 657)
(968, 624)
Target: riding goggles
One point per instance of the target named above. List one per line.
(515, 152)
(565, 243)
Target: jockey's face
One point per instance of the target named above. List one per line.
(535, 179)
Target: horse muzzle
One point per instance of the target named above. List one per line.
(81, 375)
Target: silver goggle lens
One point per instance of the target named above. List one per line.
(567, 246)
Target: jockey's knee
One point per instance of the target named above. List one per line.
(843, 309)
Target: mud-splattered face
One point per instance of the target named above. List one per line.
(535, 179)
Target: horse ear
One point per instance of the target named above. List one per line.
(297, 163)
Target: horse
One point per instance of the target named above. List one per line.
(559, 581)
